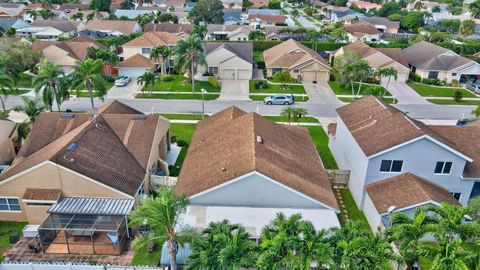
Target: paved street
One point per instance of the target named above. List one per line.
(314, 109)
(404, 94)
(307, 24)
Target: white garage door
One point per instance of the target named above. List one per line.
(131, 72)
(309, 76)
(228, 74)
(244, 74)
(401, 77)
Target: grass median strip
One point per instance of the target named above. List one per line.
(196, 96)
(453, 102)
(340, 89)
(180, 84)
(275, 88)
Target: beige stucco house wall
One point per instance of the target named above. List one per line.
(306, 71)
(229, 65)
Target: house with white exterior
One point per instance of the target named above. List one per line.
(229, 61)
(434, 62)
(259, 168)
(109, 28)
(228, 32)
(380, 145)
(364, 32)
(51, 30)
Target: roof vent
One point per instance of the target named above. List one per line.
(259, 139)
(72, 147)
(68, 115)
(139, 117)
(224, 169)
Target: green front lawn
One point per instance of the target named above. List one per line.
(8, 229)
(453, 102)
(437, 91)
(178, 96)
(320, 139)
(276, 88)
(182, 132)
(350, 209)
(179, 84)
(258, 56)
(298, 98)
(182, 116)
(340, 89)
(349, 99)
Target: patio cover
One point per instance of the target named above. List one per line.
(92, 206)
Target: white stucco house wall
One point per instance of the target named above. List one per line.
(229, 61)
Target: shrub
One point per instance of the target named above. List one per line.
(174, 170)
(283, 77)
(457, 96)
(455, 83)
(213, 82)
(261, 85)
(166, 78)
(108, 77)
(260, 64)
(414, 77)
(182, 143)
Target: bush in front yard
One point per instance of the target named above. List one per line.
(108, 77)
(166, 78)
(283, 77)
(261, 85)
(182, 143)
(455, 83)
(213, 82)
(457, 96)
(414, 77)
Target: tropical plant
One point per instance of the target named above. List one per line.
(223, 246)
(31, 107)
(287, 114)
(147, 79)
(475, 9)
(87, 75)
(47, 84)
(451, 256)
(295, 13)
(299, 113)
(46, 14)
(160, 215)
(347, 232)
(189, 54)
(342, 63)
(388, 72)
(5, 85)
(361, 71)
(314, 247)
(32, 13)
(11, 32)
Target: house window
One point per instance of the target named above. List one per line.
(454, 74)
(213, 70)
(244, 39)
(171, 63)
(443, 167)
(239, 39)
(146, 50)
(295, 71)
(391, 166)
(433, 74)
(456, 195)
(275, 70)
(9, 204)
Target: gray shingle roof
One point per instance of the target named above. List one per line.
(242, 50)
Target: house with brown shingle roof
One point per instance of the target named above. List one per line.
(64, 53)
(300, 61)
(135, 66)
(379, 58)
(377, 142)
(262, 20)
(109, 28)
(259, 168)
(361, 31)
(74, 155)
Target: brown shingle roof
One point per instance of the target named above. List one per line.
(169, 27)
(360, 29)
(406, 190)
(377, 126)
(394, 53)
(114, 151)
(125, 27)
(42, 194)
(267, 18)
(466, 138)
(224, 147)
(154, 39)
(76, 49)
(137, 60)
(289, 54)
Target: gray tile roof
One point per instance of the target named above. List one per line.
(241, 49)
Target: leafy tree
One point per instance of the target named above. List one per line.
(200, 30)
(388, 72)
(395, 17)
(16, 58)
(457, 96)
(189, 54)
(256, 35)
(143, 19)
(413, 20)
(160, 215)
(5, 85)
(309, 10)
(338, 35)
(11, 32)
(87, 75)
(436, 8)
(314, 35)
(388, 9)
(167, 17)
(467, 28)
(223, 246)
(90, 16)
(100, 5)
(207, 11)
(77, 16)
(31, 107)
(47, 82)
(295, 13)
(147, 79)
(343, 68)
(46, 14)
(127, 4)
(32, 13)
(274, 5)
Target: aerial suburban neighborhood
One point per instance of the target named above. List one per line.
(239, 134)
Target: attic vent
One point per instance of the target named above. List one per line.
(139, 117)
(72, 147)
(68, 115)
(224, 169)
(259, 139)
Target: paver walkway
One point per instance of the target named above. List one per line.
(235, 90)
(320, 93)
(405, 94)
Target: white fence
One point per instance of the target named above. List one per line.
(158, 181)
(63, 266)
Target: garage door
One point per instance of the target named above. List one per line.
(309, 76)
(228, 74)
(131, 72)
(244, 74)
(401, 77)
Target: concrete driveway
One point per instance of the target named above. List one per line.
(234, 90)
(320, 92)
(405, 94)
(127, 91)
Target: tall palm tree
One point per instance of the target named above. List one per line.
(314, 248)
(388, 72)
(362, 72)
(5, 88)
(449, 257)
(165, 52)
(160, 215)
(223, 246)
(32, 13)
(155, 54)
(350, 73)
(47, 83)
(87, 75)
(295, 13)
(147, 79)
(31, 107)
(189, 54)
(347, 233)
(448, 222)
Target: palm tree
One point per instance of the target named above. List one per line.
(350, 73)
(448, 222)
(223, 246)
(287, 114)
(475, 9)
(155, 54)
(295, 13)
(362, 71)
(347, 233)
(147, 79)
(408, 232)
(5, 88)
(46, 14)
(299, 113)
(418, 5)
(449, 257)
(165, 52)
(160, 215)
(32, 13)
(47, 83)
(87, 75)
(31, 107)
(314, 248)
(388, 72)
(190, 54)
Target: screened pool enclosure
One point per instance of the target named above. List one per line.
(86, 226)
